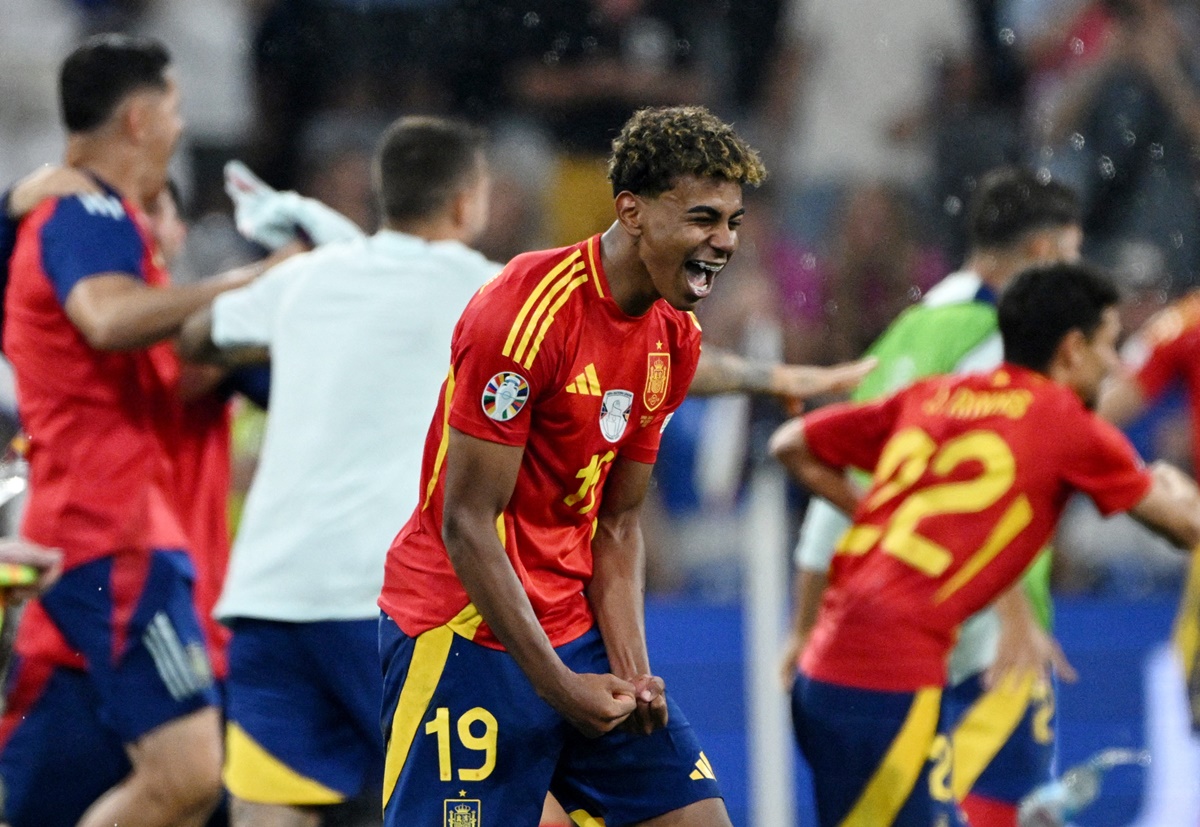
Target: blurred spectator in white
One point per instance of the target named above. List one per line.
(851, 95)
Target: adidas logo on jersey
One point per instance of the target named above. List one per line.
(586, 383)
(703, 770)
(98, 204)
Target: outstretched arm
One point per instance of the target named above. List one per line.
(480, 478)
(789, 446)
(722, 371)
(1171, 507)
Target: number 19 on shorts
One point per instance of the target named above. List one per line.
(469, 724)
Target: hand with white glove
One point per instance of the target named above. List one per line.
(274, 218)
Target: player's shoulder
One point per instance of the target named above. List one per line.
(535, 284)
(102, 208)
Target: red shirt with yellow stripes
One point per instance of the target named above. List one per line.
(1166, 351)
(543, 358)
(971, 474)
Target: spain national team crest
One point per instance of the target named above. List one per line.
(658, 380)
(614, 413)
(505, 396)
(463, 812)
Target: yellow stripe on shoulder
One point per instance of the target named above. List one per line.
(567, 279)
(533, 298)
(549, 320)
(695, 321)
(444, 443)
(592, 244)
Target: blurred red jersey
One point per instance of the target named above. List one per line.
(543, 358)
(970, 477)
(1170, 352)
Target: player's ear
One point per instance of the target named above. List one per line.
(629, 212)
(1071, 348)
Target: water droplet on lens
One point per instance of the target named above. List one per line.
(952, 205)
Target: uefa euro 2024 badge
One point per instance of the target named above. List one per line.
(505, 396)
(614, 413)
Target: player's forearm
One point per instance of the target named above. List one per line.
(1171, 507)
(617, 594)
(720, 371)
(492, 585)
(788, 446)
(807, 591)
(116, 312)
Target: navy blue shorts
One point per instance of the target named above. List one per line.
(302, 706)
(1003, 739)
(471, 743)
(877, 758)
(133, 618)
(57, 757)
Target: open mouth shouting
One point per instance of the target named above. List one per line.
(700, 275)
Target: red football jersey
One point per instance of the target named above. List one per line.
(543, 358)
(1171, 350)
(101, 477)
(971, 475)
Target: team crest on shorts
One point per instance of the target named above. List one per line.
(505, 396)
(614, 413)
(658, 380)
(462, 812)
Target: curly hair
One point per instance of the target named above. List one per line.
(659, 145)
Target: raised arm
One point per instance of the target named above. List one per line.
(480, 477)
(618, 588)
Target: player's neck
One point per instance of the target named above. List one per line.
(116, 165)
(995, 268)
(629, 283)
(439, 228)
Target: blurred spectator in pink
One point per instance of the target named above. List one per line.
(836, 300)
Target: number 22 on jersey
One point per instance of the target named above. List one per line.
(901, 477)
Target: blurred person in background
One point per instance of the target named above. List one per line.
(1016, 221)
(850, 99)
(838, 302)
(88, 314)
(1164, 354)
(47, 664)
(355, 331)
(1123, 133)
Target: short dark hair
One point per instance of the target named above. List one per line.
(423, 162)
(103, 71)
(1043, 304)
(658, 146)
(1013, 201)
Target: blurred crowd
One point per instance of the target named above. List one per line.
(876, 119)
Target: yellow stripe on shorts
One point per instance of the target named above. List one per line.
(583, 818)
(985, 728)
(1186, 635)
(424, 673)
(892, 782)
(255, 775)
